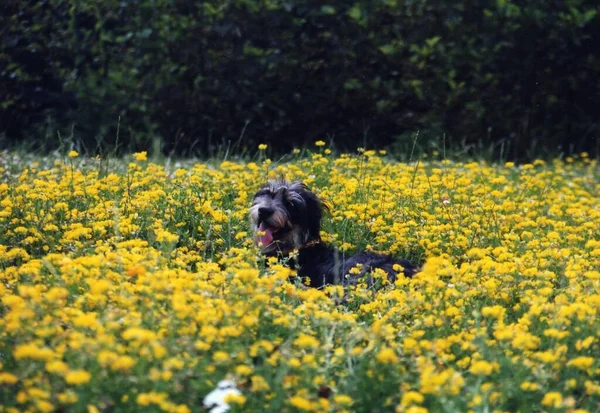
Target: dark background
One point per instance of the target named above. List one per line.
(515, 79)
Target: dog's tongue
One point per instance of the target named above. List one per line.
(267, 237)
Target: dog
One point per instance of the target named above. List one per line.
(286, 218)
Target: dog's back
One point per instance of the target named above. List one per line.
(324, 265)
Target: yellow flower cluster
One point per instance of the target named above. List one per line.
(127, 285)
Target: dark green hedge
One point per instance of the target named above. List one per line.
(520, 77)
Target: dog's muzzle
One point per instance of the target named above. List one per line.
(264, 231)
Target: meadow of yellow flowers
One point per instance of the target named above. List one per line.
(133, 286)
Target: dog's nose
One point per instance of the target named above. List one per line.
(265, 213)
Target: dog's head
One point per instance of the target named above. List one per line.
(285, 216)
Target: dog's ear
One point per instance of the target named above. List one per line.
(314, 211)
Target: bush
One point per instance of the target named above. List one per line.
(515, 78)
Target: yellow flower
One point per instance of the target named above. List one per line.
(78, 377)
(57, 366)
(355, 270)
(243, 370)
(306, 341)
(387, 356)
(44, 406)
(262, 146)
(481, 368)
(135, 271)
(122, 363)
(529, 386)
(182, 408)
(320, 143)
(68, 397)
(581, 362)
(166, 236)
(73, 154)
(343, 400)
(301, 403)
(259, 384)
(235, 399)
(8, 378)
(141, 156)
(398, 268)
(496, 311)
(146, 399)
(412, 397)
(32, 351)
(552, 399)
(220, 357)
(416, 409)
(140, 334)
(87, 320)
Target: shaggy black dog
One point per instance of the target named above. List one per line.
(286, 217)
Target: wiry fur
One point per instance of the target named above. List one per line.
(292, 213)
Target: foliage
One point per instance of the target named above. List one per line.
(519, 78)
(136, 287)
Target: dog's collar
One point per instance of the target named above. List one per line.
(295, 251)
(309, 244)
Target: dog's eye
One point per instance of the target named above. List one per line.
(263, 192)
